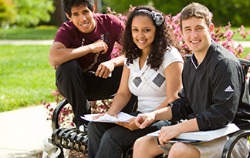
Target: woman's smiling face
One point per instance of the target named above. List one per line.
(143, 32)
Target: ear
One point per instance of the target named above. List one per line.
(211, 27)
(94, 8)
(67, 15)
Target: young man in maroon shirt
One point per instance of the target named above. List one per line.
(81, 53)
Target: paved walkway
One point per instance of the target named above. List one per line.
(22, 132)
(26, 42)
(49, 42)
(244, 43)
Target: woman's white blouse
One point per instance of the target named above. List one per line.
(150, 85)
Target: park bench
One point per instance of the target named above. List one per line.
(71, 138)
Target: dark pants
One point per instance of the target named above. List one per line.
(106, 140)
(78, 87)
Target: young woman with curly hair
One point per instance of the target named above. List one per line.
(152, 72)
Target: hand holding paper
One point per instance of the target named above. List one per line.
(129, 125)
(121, 117)
(204, 135)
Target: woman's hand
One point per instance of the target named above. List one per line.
(110, 113)
(144, 120)
(97, 116)
(129, 125)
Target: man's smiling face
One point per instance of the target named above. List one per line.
(82, 18)
(196, 34)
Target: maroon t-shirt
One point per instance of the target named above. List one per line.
(108, 27)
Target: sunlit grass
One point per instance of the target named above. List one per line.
(246, 51)
(26, 77)
(38, 33)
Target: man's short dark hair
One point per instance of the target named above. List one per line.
(68, 4)
(196, 10)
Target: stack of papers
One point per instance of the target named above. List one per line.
(121, 117)
(203, 135)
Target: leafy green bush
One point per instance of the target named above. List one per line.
(7, 13)
(25, 13)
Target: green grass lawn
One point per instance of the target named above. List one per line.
(26, 77)
(38, 33)
(246, 51)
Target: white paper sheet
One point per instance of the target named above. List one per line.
(121, 117)
(204, 135)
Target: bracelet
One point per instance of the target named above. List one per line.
(171, 105)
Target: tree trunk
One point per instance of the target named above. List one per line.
(59, 15)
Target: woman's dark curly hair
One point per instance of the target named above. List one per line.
(160, 45)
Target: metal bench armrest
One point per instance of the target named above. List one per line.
(233, 139)
(55, 116)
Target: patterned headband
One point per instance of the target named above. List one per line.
(157, 17)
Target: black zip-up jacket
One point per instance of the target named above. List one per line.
(212, 91)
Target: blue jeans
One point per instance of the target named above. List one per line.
(107, 140)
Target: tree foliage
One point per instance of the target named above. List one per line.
(7, 13)
(233, 11)
(30, 13)
(25, 12)
(123, 4)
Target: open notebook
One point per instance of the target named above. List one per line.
(202, 135)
